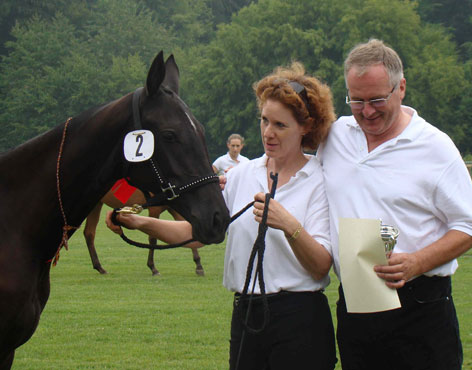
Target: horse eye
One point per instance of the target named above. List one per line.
(169, 136)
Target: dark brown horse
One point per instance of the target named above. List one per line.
(57, 178)
(137, 197)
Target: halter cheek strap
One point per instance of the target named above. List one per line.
(136, 116)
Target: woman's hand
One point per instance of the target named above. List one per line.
(166, 230)
(127, 220)
(222, 181)
(311, 254)
(277, 217)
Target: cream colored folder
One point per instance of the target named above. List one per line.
(361, 248)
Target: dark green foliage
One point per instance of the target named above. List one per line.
(452, 14)
(62, 58)
(55, 70)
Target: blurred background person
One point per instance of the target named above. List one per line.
(235, 144)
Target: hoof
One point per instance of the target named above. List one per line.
(101, 270)
(200, 272)
(156, 273)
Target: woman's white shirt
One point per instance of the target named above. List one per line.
(304, 197)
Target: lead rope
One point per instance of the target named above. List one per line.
(258, 249)
(66, 228)
(165, 246)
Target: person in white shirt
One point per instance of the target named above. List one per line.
(386, 162)
(296, 114)
(223, 164)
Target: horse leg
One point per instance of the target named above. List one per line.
(150, 261)
(22, 300)
(153, 212)
(5, 364)
(196, 258)
(89, 234)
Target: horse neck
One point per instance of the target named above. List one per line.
(90, 162)
(94, 160)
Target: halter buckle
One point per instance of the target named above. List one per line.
(170, 189)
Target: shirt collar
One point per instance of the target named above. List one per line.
(237, 158)
(307, 169)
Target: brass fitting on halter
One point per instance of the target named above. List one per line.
(134, 209)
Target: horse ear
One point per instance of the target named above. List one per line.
(156, 74)
(171, 79)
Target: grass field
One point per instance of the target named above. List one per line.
(131, 320)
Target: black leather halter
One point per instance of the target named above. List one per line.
(169, 191)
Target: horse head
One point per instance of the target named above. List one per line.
(168, 155)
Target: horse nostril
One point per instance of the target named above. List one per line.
(217, 221)
(220, 222)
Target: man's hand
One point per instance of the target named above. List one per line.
(401, 268)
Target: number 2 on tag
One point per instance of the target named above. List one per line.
(138, 145)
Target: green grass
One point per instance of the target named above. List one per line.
(131, 320)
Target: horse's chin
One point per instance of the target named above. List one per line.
(208, 238)
(208, 228)
(210, 233)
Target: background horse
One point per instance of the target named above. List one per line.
(57, 178)
(137, 197)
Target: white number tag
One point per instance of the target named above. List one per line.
(138, 145)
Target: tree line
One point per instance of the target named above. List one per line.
(59, 58)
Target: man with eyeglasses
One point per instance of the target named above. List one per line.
(386, 162)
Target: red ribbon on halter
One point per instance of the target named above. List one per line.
(122, 190)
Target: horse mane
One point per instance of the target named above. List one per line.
(44, 138)
(38, 155)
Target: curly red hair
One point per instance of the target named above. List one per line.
(316, 114)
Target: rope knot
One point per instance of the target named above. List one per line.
(63, 243)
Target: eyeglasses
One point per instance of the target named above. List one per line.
(375, 103)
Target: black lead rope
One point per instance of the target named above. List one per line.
(152, 202)
(258, 249)
(145, 245)
(260, 237)
(165, 246)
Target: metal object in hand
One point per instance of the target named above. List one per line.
(134, 209)
(389, 236)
